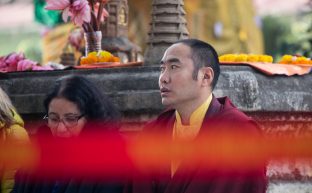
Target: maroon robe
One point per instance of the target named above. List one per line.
(221, 114)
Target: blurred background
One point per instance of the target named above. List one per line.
(232, 26)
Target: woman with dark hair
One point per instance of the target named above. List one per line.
(75, 103)
(74, 107)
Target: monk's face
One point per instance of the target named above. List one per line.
(176, 83)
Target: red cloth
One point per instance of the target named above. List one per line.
(276, 69)
(197, 179)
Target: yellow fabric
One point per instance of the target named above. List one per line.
(188, 132)
(16, 132)
(7, 181)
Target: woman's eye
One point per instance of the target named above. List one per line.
(53, 119)
(71, 119)
(162, 69)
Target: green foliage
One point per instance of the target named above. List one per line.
(32, 51)
(288, 35)
(46, 17)
(21, 40)
(274, 31)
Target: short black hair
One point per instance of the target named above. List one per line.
(203, 55)
(91, 102)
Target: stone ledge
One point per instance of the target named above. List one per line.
(289, 187)
(136, 89)
(290, 170)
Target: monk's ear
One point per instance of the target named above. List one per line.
(207, 77)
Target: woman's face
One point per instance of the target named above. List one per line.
(65, 118)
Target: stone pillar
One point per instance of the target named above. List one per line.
(115, 32)
(167, 26)
(116, 24)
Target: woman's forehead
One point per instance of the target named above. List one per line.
(63, 106)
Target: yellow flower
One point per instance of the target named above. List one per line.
(227, 58)
(104, 56)
(286, 59)
(241, 58)
(92, 56)
(231, 57)
(252, 58)
(265, 58)
(222, 58)
(302, 60)
(268, 59)
(245, 58)
(85, 61)
(114, 59)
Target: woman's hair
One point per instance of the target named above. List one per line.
(94, 105)
(6, 109)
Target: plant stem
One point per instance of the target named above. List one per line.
(92, 4)
(90, 28)
(100, 11)
(84, 26)
(94, 21)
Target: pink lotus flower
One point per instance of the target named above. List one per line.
(3, 65)
(2, 62)
(12, 61)
(26, 64)
(36, 68)
(14, 58)
(78, 11)
(57, 4)
(17, 62)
